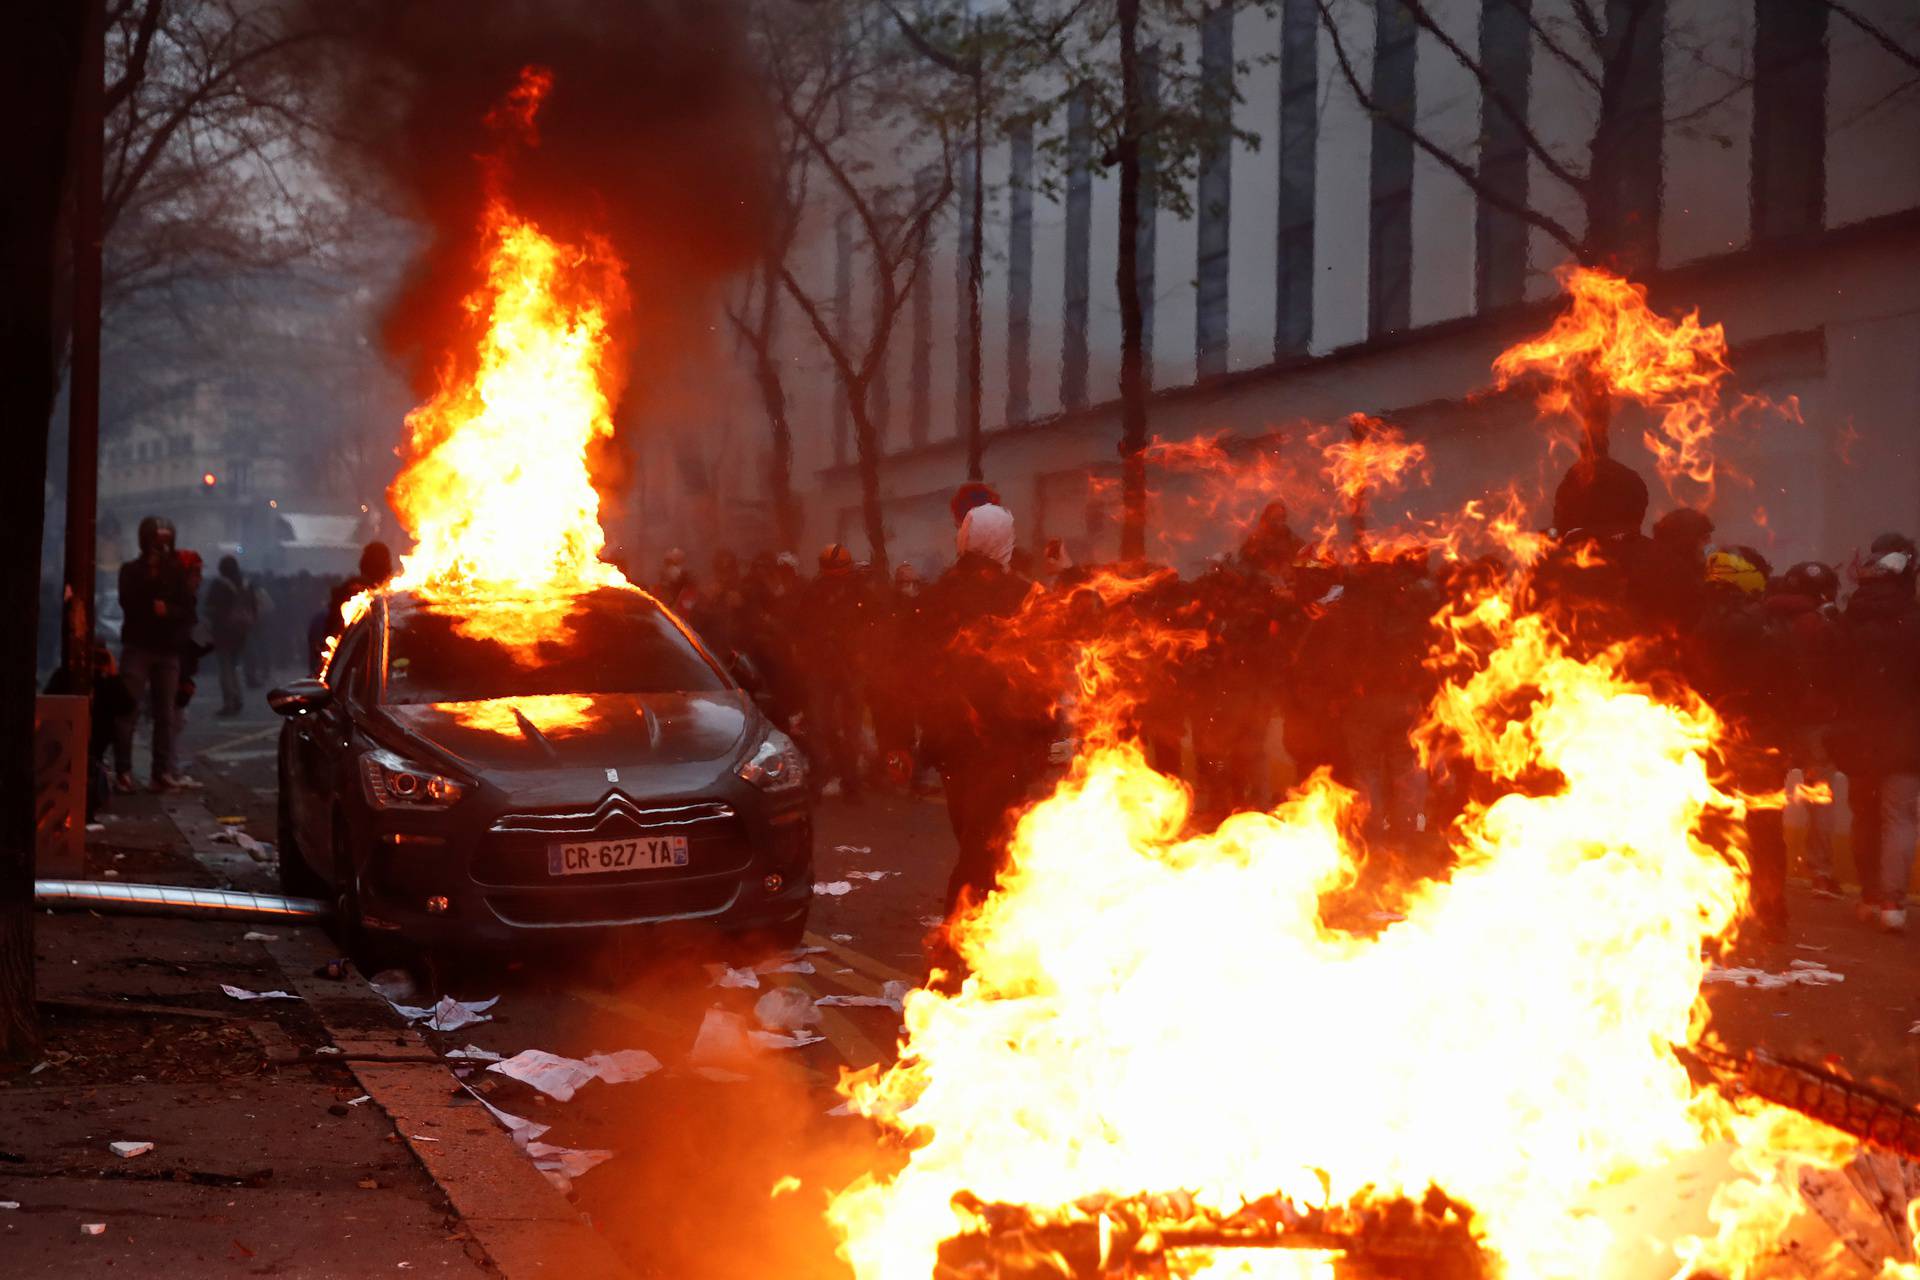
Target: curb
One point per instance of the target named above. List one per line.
(526, 1227)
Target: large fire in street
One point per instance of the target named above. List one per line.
(1160, 1028)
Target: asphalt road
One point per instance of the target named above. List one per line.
(691, 1189)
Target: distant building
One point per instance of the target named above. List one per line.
(1772, 180)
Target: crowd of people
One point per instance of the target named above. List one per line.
(963, 683)
(1279, 648)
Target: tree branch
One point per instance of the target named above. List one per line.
(1877, 34)
(1466, 173)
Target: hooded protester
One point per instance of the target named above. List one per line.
(230, 618)
(983, 729)
(1877, 739)
(157, 601)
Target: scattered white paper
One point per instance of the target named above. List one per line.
(328, 1049)
(893, 996)
(786, 1009)
(473, 1053)
(852, 848)
(721, 975)
(565, 1160)
(844, 1109)
(94, 1228)
(783, 1039)
(931, 921)
(808, 951)
(1808, 973)
(623, 1066)
(96, 826)
(870, 875)
(833, 889)
(843, 937)
(363, 1098)
(241, 993)
(256, 936)
(258, 850)
(560, 1078)
(521, 1129)
(9, 1204)
(128, 1150)
(449, 1014)
(722, 1040)
(557, 1077)
(784, 966)
(1914, 1030)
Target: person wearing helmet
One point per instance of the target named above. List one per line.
(1877, 741)
(835, 620)
(158, 605)
(986, 733)
(1800, 607)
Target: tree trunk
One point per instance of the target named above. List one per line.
(773, 397)
(866, 441)
(1133, 388)
(976, 265)
(36, 88)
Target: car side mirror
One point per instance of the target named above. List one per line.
(741, 667)
(300, 697)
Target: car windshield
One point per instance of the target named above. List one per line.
(605, 641)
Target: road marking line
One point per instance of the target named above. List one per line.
(877, 970)
(856, 1048)
(649, 1018)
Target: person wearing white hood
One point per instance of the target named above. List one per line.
(986, 732)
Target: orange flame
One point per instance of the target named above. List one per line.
(1609, 336)
(1152, 1010)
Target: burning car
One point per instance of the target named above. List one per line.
(493, 770)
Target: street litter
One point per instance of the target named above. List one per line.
(96, 826)
(892, 996)
(520, 1128)
(852, 848)
(1914, 1030)
(256, 936)
(833, 888)
(567, 1160)
(844, 1109)
(449, 1014)
(421, 1137)
(784, 1040)
(722, 1039)
(843, 937)
(128, 1150)
(241, 993)
(931, 921)
(1809, 973)
(258, 850)
(722, 975)
(786, 1009)
(329, 1049)
(473, 1053)
(365, 1097)
(808, 951)
(560, 1078)
(94, 1228)
(9, 1204)
(784, 966)
(787, 1185)
(870, 875)
(232, 820)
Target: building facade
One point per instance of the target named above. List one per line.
(1766, 170)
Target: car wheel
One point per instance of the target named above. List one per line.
(370, 950)
(297, 879)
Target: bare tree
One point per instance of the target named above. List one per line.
(1155, 118)
(824, 75)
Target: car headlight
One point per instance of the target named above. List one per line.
(776, 765)
(393, 783)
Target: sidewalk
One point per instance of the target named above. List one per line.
(268, 1157)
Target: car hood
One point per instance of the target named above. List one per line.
(521, 742)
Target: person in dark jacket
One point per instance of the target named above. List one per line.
(230, 620)
(158, 607)
(985, 730)
(835, 616)
(1877, 741)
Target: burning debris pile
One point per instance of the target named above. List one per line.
(1164, 1059)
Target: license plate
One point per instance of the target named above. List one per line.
(592, 857)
